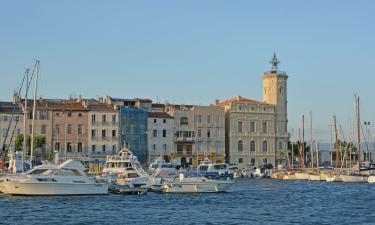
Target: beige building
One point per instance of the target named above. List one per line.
(256, 132)
(16, 124)
(160, 135)
(199, 131)
(103, 128)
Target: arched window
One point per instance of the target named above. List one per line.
(264, 146)
(240, 146)
(252, 146)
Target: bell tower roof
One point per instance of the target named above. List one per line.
(274, 62)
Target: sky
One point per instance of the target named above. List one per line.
(193, 52)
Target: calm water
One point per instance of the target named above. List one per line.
(248, 202)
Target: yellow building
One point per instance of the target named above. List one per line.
(256, 131)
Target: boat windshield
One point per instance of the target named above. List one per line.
(193, 174)
(203, 168)
(37, 171)
(220, 167)
(61, 172)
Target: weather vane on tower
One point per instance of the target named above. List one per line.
(274, 62)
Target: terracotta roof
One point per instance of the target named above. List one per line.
(57, 105)
(94, 105)
(240, 100)
(131, 99)
(159, 115)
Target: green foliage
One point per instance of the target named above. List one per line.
(39, 142)
(345, 146)
(296, 147)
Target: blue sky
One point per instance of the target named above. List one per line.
(193, 52)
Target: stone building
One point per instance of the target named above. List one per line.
(160, 135)
(15, 124)
(256, 131)
(103, 128)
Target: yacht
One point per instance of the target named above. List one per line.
(371, 179)
(160, 176)
(161, 163)
(67, 178)
(354, 178)
(214, 170)
(302, 175)
(195, 182)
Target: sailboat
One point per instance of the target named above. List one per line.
(356, 177)
(302, 175)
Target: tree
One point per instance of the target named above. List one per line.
(39, 142)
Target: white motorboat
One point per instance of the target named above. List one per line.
(160, 176)
(196, 183)
(160, 163)
(215, 170)
(67, 178)
(354, 178)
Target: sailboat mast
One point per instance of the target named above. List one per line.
(311, 141)
(337, 140)
(358, 132)
(303, 141)
(34, 108)
(292, 150)
(24, 120)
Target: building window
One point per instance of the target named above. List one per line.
(93, 149)
(164, 120)
(93, 133)
(57, 114)
(209, 119)
(240, 160)
(114, 119)
(199, 133)
(252, 161)
(164, 133)
(57, 129)
(165, 147)
(30, 129)
(265, 160)
(113, 133)
(252, 127)
(43, 115)
(104, 133)
(113, 149)
(240, 146)
(280, 146)
(155, 120)
(103, 148)
(264, 146)
(79, 147)
(199, 118)
(264, 127)
(69, 114)
(252, 146)
(218, 120)
(104, 118)
(208, 133)
(68, 147)
(57, 146)
(93, 118)
(239, 126)
(180, 150)
(184, 121)
(43, 129)
(154, 147)
(79, 130)
(69, 129)
(155, 133)
(79, 114)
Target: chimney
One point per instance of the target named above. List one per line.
(217, 101)
(15, 97)
(100, 99)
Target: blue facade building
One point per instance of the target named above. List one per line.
(133, 131)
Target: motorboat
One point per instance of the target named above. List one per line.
(195, 182)
(160, 176)
(161, 163)
(67, 178)
(214, 170)
(371, 179)
(128, 184)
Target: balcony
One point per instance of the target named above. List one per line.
(184, 139)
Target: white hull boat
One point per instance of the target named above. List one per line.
(197, 185)
(333, 178)
(66, 179)
(371, 179)
(354, 178)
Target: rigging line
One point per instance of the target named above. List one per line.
(13, 111)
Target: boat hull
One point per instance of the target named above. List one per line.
(333, 178)
(22, 188)
(302, 176)
(371, 179)
(353, 179)
(314, 177)
(201, 187)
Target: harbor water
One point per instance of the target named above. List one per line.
(249, 201)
